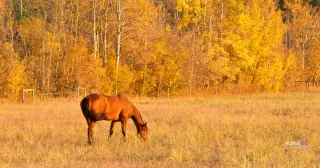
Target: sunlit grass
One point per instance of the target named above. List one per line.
(237, 131)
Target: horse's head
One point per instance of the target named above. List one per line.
(143, 131)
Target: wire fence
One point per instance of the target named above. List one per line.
(309, 83)
(31, 94)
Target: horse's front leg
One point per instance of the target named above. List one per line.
(124, 127)
(113, 123)
(90, 131)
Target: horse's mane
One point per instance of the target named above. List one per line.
(137, 111)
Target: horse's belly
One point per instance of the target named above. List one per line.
(112, 117)
(103, 116)
(98, 117)
(112, 114)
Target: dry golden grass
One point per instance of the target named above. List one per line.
(238, 131)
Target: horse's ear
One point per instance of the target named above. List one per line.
(145, 123)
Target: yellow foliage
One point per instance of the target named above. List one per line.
(31, 31)
(189, 10)
(11, 73)
(270, 76)
(14, 80)
(212, 45)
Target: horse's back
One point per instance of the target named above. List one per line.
(119, 105)
(103, 107)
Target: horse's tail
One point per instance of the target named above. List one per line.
(84, 104)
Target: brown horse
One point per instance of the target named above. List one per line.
(97, 107)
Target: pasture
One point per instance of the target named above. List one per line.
(223, 131)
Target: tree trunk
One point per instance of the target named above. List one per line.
(21, 10)
(43, 81)
(221, 22)
(304, 54)
(104, 61)
(76, 26)
(94, 30)
(118, 41)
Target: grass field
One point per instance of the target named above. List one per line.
(224, 131)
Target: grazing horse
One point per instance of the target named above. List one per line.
(116, 108)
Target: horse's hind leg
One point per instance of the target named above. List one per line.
(90, 131)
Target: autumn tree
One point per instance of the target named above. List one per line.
(301, 40)
(158, 47)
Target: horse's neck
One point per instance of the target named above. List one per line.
(137, 119)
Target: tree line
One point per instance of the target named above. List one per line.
(158, 47)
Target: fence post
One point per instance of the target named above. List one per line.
(27, 90)
(32, 94)
(78, 92)
(22, 95)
